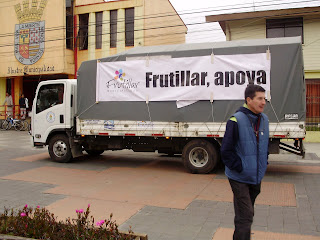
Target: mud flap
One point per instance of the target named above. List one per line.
(76, 149)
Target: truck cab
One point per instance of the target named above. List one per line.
(53, 109)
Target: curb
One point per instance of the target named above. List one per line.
(137, 236)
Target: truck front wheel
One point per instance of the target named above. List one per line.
(199, 156)
(59, 148)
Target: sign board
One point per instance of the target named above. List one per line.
(217, 77)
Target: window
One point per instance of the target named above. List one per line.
(49, 96)
(113, 28)
(286, 27)
(98, 30)
(129, 26)
(83, 31)
(69, 24)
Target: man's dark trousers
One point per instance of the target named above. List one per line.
(244, 196)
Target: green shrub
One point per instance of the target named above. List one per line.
(312, 128)
(39, 223)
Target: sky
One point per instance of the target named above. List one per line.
(193, 14)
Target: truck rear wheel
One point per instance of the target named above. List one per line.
(59, 148)
(94, 152)
(199, 156)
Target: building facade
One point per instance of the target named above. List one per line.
(49, 39)
(304, 22)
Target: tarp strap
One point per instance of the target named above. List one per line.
(276, 116)
(211, 101)
(212, 111)
(87, 109)
(147, 102)
(205, 123)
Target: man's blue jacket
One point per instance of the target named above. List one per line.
(244, 148)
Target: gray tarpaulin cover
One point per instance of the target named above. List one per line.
(287, 84)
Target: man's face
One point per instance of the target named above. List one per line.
(7, 94)
(257, 104)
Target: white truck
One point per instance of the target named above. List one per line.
(171, 99)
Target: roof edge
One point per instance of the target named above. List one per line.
(263, 14)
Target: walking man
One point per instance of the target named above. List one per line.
(9, 102)
(23, 103)
(244, 152)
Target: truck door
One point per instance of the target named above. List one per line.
(50, 111)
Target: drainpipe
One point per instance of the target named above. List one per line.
(75, 37)
(12, 95)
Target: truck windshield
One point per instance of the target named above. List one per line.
(49, 96)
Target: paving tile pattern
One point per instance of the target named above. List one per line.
(226, 233)
(281, 194)
(16, 194)
(155, 195)
(205, 217)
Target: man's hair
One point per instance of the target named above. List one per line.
(251, 91)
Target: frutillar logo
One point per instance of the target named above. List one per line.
(119, 75)
(119, 82)
(29, 34)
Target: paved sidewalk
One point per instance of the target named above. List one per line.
(155, 195)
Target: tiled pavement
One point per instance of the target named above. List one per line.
(154, 194)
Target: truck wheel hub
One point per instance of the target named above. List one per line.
(59, 148)
(198, 157)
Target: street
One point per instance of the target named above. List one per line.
(155, 195)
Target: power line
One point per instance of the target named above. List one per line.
(143, 29)
(144, 17)
(151, 36)
(160, 35)
(53, 48)
(161, 27)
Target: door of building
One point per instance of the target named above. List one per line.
(29, 90)
(313, 102)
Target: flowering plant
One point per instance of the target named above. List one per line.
(39, 223)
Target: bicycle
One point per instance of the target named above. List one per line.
(26, 125)
(11, 122)
(3, 123)
(1, 120)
